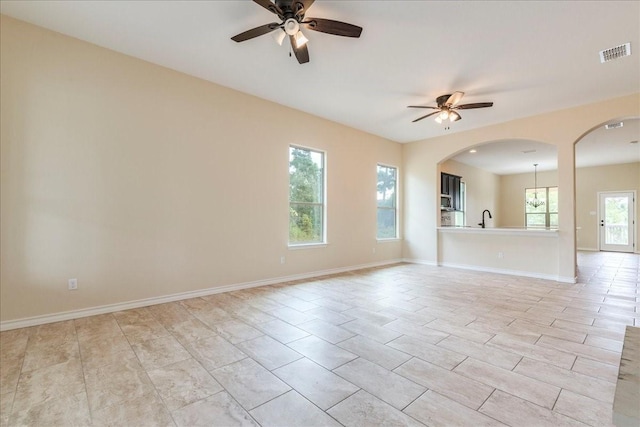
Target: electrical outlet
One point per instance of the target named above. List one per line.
(500, 255)
(374, 250)
(73, 284)
(282, 260)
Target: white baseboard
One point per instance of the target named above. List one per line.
(111, 308)
(520, 273)
(420, 261)
(588, 249)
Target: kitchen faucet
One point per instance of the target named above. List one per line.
(490, 217)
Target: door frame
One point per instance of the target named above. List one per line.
(634, 214)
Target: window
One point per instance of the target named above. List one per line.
(387, 202)
(545, 215)
(459, 214)
(306, 196)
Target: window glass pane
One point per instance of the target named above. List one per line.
(616, 215)
(386, 223)
(387, 202)
(553, 199)
(306, 195)
(305, 175)
(536, 220)
(305, 223)
(386, 187)
(553, 220)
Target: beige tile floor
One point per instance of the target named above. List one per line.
(401, 345)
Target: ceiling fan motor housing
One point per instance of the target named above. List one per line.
(442, 100)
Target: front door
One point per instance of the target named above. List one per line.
(616, 211)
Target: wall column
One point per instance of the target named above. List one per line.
(566, 211)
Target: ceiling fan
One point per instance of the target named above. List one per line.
(292, 14)
(447, 106)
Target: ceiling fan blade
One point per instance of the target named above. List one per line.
(424, 117)
(271, 7)
(255, 32)
(476, 105)
(422, 106)
(330, 26)
(300, 7)
(455, 116)
(455, 98)
(302, 53)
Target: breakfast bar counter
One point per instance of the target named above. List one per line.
(531, 252)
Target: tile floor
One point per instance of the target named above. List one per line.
(403, 345)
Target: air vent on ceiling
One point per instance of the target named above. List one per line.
(614, 125)
(615, 52)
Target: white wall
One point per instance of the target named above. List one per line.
(143, 182)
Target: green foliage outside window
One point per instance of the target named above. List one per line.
(306, 196)
(386, 196)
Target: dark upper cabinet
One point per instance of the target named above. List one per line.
(450, 184)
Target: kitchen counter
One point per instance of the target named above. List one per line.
(531, 252)
(541, 232)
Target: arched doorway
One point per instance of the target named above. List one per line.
(496, 176)
(607, 175)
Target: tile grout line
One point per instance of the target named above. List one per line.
(84, 378)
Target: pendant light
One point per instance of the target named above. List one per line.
(535, 202)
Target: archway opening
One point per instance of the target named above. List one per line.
(607, 176)
(500, 176)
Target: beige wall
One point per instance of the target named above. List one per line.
(483, 192)
(143, 182)
(561, 128)
(502, 250)
(589, 181)
(512, 195)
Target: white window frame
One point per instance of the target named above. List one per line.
(396, 209)
(309, 244)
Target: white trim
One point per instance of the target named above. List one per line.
(529, 232)
(420, 261)
(111, 308)
(324, 194)
(307, 246)
(521, 273)
(389, 240)
(588, 249)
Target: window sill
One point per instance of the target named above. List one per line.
(307, 246)
(389, 240)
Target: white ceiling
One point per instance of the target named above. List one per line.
(599, 147)
(528, 57)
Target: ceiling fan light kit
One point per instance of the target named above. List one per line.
(279, 36)
(301, 40)
(535, 202)
(292, 14)
(447, 104)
